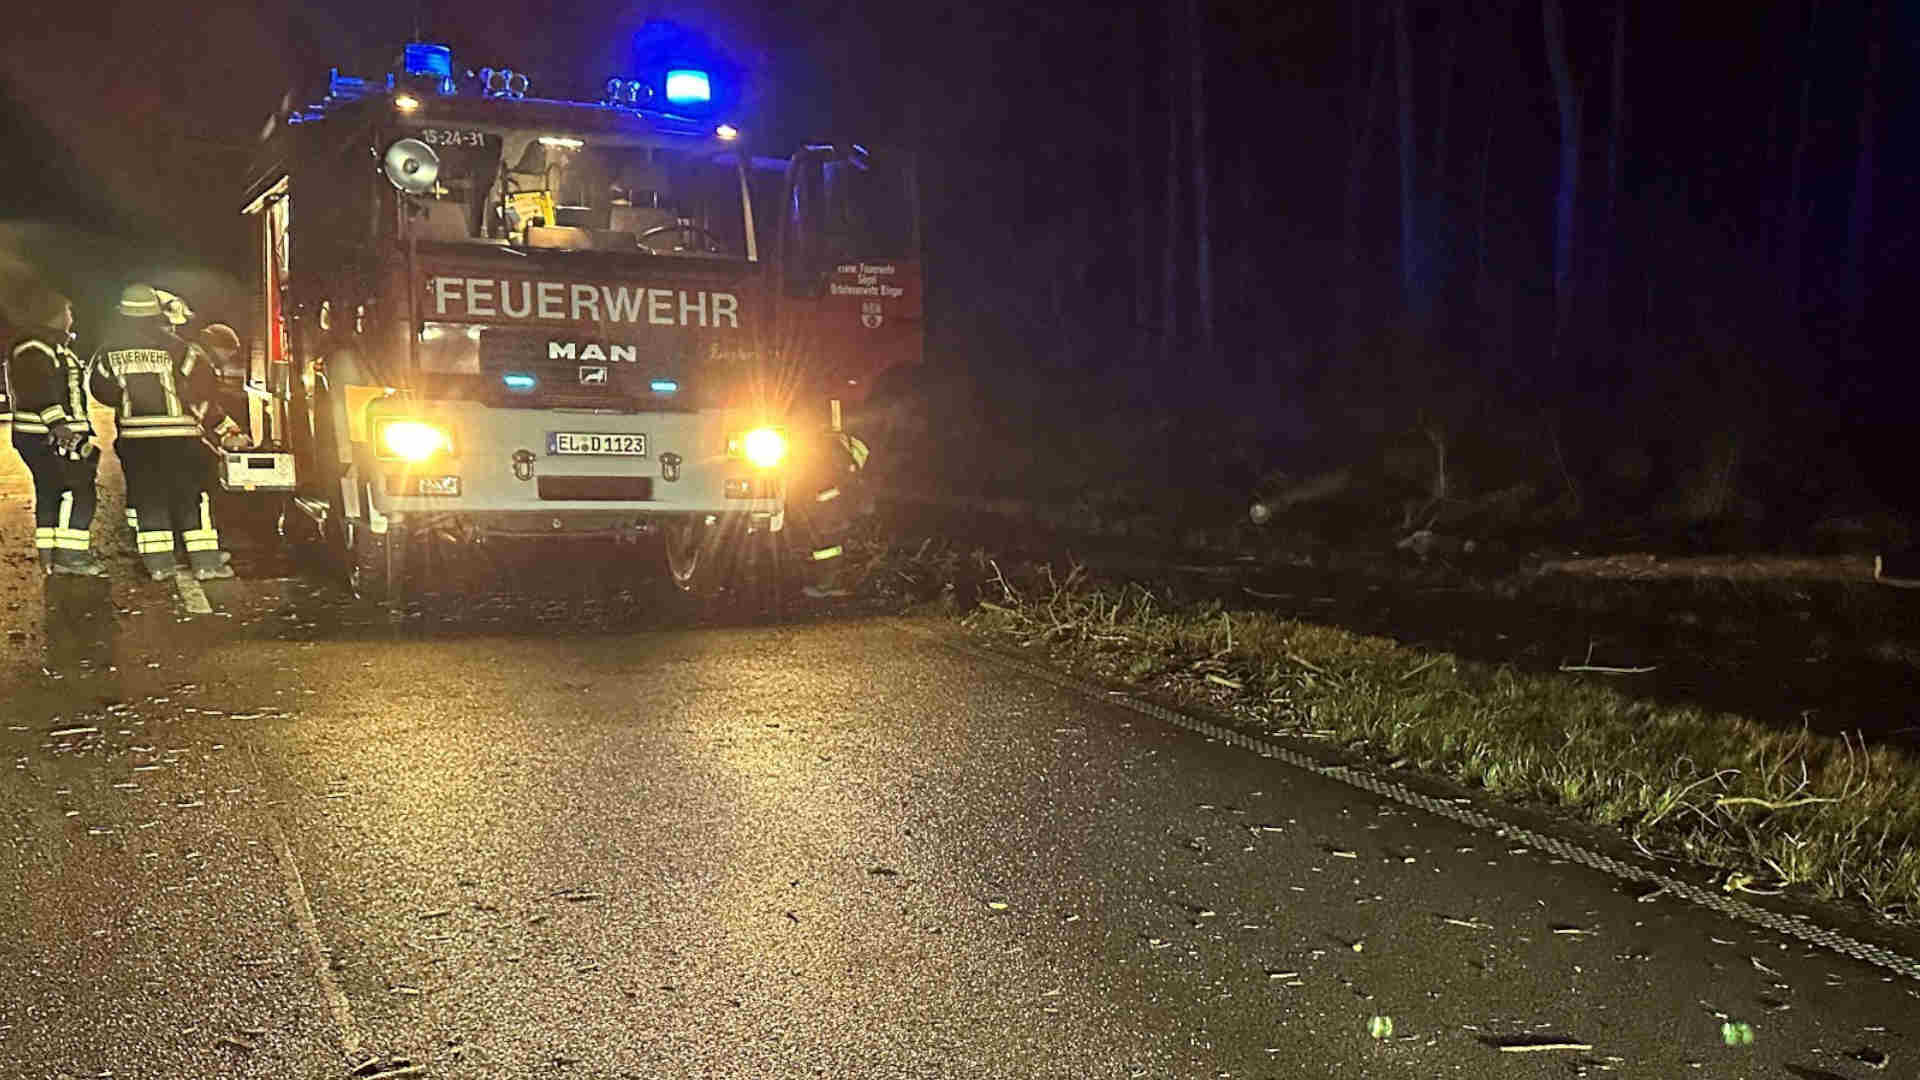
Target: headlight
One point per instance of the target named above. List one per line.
(413, 440)
(764, 447)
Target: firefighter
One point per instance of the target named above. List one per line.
(229, 396)
(52, 432)
(222, 346)
(161, 391)
(830, 498)
(174, 309)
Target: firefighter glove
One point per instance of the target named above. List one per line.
(72, 445)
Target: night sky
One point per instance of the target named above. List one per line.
(1043, 128)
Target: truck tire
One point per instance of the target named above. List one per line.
(772, 573)
(727, 566)
(376, 571)
(691, 557)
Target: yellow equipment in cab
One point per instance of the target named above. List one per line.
(525, 206)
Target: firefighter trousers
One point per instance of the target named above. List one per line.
(825, 503)
(167, 490)
(63, 496)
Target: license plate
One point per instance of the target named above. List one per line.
(596, 443)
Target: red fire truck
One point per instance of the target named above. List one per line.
(485, 314)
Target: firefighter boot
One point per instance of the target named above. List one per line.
(77, 563)
(210, 565)
(158, 564)
(46, 560)
(826, 575)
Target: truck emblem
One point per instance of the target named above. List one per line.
(872, 321)
(593, 375)
(523, 464)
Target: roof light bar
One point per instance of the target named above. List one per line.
(688, 86)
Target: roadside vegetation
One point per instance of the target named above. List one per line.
(1768, 810)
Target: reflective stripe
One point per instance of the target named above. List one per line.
(71, 540)
(830, 493)
(206, 514)
(186, 431)
(151, 421)
(151, 542)
(826, 553)
(133, 519)
(29, 423)
(856, 450)
(52, 413)
(203, 545)
(43, 539)
(65, 520)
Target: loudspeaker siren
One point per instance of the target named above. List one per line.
(411, 165)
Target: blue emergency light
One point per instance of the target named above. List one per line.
(688, 86)
(664, 386)
(435, 61)
(519, 380)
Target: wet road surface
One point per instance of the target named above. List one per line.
(288, 837)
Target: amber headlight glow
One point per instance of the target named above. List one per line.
(413, 440)
(764, 447)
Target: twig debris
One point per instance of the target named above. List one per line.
(1527, 1048)
(1603, 669)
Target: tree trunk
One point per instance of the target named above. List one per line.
(1480, 204)
(1137, 186)
(1860, 216)
(1409, 252)
(1202, 223)
(1361, 155)
(1796, 223)
(1564, 201)
(1616, 125)
(1169, 261)
(1443, 108)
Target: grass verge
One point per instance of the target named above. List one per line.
(1772, 810)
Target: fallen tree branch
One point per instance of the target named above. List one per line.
(1423, 667)
(1589, 665)
(1749, 800)
(1309, 665)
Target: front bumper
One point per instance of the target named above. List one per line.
(511, 481)
(624, 526)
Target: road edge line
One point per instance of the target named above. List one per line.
(191, 593)
(1798, 928)
(316, 950)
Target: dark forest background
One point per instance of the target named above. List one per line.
(1620, 259)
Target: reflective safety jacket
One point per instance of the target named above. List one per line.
(47, 385)
(158, 386)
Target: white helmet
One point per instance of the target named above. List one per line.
(173, 307)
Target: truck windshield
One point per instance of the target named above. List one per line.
(545, 189)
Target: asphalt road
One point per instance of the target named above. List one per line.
(288, 837)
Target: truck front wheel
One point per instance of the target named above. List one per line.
(377, 568)
(690, 553)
